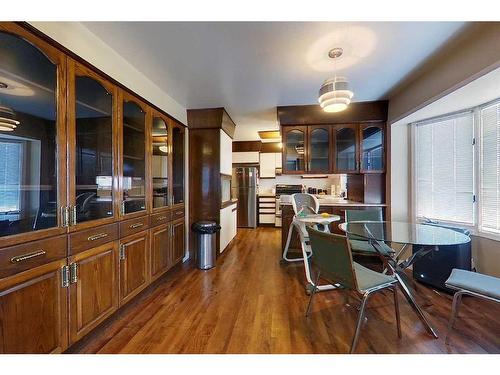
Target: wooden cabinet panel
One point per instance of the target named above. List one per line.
(90, 238)
(178, 243)
(93, 288)
(177, 212)
(133, 265)
(160, 218)
(132, 226)
(33, 311)
(294, 149)
(160, 250)
(23, 257)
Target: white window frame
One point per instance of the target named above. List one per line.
(475, 229)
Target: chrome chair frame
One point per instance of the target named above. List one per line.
(457, 300)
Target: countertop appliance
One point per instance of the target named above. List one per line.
(244, 187)
(282, 189)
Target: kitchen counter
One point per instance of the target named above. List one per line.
(345, 203)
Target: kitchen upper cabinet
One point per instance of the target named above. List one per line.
(319, 146)
(160, 168)
(372, 149)
(92, 150)
(268, 164)
(178, 241)
(133, 157)
(33, 311)
(177, 164)
(93, 277)
(160, 250)
(294, 149)
(32, 137)
(133, 265)
(346, 149)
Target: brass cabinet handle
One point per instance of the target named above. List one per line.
(122, 252)
(161, 218)
(21, 258)
(97, 236)
(136, 225)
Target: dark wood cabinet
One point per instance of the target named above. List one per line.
(160, 250)
(160, 149)
(346, 148)
(33, 311)
(318, 149)
(294, 149)
(372, 150)
(178, 155)
(93, 292)
(133, 265)
(178, 245)
(92, 148)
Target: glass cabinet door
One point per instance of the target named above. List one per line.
(93, 190)
(30, 196)
(133, 158)
(159, 162)
(177, 164)
(319, 150)
(294, 150)
(372, 149)
(346, 149)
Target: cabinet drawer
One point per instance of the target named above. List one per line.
(87, 239)
(177, 213)
(160, 218)
(133, 226)
(20, 258)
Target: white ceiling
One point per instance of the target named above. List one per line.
(250, 68)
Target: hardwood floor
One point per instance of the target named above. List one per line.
(250, 303)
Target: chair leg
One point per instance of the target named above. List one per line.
(457, 299)
(315, 288)
(396, 307)
(361, 316)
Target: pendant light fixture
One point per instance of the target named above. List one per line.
(7, 119)
(334, 94)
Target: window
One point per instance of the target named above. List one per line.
(10, 178)
(489, 169)
(444, 169)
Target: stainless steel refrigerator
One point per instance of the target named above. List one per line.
(244, 187)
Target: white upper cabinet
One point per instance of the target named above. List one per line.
(226, 150)
(267, 165)
(246, 157)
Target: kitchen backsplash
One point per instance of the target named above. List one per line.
(266, 185)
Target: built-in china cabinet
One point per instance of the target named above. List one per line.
(91, 194)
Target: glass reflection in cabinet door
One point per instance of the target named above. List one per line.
(345, 144)
(160, 163)
(319, 150)
(178, 165)
(294, 151)
(372, 151)
(134, 162)
(28, 138)
(94, 150)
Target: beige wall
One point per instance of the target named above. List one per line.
(472, 53)
(486, 254)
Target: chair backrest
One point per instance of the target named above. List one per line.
(304, 201)
(373, 214)
(332, 256)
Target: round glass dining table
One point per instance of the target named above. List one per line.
(425, 238)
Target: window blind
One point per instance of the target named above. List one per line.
(444, 167)
(489, 185)
(10, 175)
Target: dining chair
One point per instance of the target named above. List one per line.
(333, 260)
(360, 244)
(472, 284)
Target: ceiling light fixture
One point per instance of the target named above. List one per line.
(163, 149)
(334, 94)
(7, 119)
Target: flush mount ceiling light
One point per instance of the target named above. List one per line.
(7, 119)
(334, 94)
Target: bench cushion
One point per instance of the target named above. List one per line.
(474, 282)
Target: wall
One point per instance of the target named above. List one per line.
(486, 254)
(78, 39)
(400, 179)
(473, 53)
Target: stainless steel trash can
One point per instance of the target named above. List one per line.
(206, 247)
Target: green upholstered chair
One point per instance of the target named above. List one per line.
(473, 284)
(359, 244)
(333, 260)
